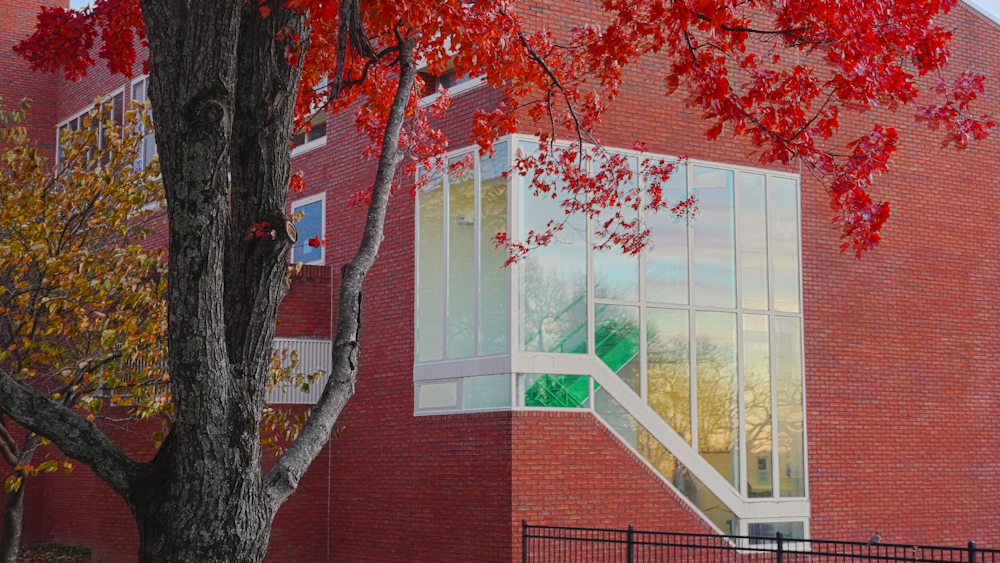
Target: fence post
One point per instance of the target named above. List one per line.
(972, 551)
(781, 550)
(630, 544)
(524, 540)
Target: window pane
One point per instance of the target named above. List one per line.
(309, 226)
(617, 342)
(553, 279)
(714, 245)
(486, 392)
(668, 368)
(461, 267)
(663, 461)
(493, 292)
(757, 405)
(318, 130)
(788, 365)
(753, 241)
(437, 395)
(139, 91)
(667, 256)
(553, 391)
(718, 409)
(430, 272)
(616, 275)
(785, 243)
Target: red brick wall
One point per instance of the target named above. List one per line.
(901, 364)
(42, 90)
(305, 311)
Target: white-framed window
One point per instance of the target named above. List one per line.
(448, 80)
(305, 141)
(462, 304)
(140, 94)
(313, 136)
(115, 102)
(312, 225)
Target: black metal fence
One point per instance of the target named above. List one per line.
(556, 544)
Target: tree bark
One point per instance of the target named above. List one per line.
(13, 513)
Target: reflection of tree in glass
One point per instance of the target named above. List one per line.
(668, 365)
(718, 409)
(553, 309)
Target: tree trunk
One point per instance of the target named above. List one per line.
(13, 512)
(13, 518)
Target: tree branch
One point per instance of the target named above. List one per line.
(284, 477)
(72, 434)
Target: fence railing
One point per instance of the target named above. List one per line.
(557, 544)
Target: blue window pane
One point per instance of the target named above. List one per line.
(309, 226)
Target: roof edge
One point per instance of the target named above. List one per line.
(982, 10)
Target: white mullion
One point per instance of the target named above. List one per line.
(416, 278)
(692, 335)
(740, 384)
(477, 223)
(446, 259)
(590, 320)
(802, 350)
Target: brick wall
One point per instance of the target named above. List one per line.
(19, 81)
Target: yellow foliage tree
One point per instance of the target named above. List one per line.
(82, 308)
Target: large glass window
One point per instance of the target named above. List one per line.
(109, 111)
(553, 278)
(704, 326)
(462, 288)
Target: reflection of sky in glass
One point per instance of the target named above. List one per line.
(430, 263)
(667, 255)
(492, 274)
(309, 226)
(714, 244)
(616, 276)
(785, 244)
(461, 238)
(553, 307)
(753, 241)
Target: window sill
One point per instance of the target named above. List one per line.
(311, 145)
(463, 87)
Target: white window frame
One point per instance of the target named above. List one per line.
(318, 142)
(80, 113)
(320, 197)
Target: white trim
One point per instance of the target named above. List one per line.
(309, 146)
(469, 84)
(988, 14)
(321, 197)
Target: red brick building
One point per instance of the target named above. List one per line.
(741, 375)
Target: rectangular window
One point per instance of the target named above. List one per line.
(306, 140)
(462, 291)
(107, 111)
(311, 225)
(140, 95)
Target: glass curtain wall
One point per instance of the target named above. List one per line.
(462, 289)
(704, 326)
